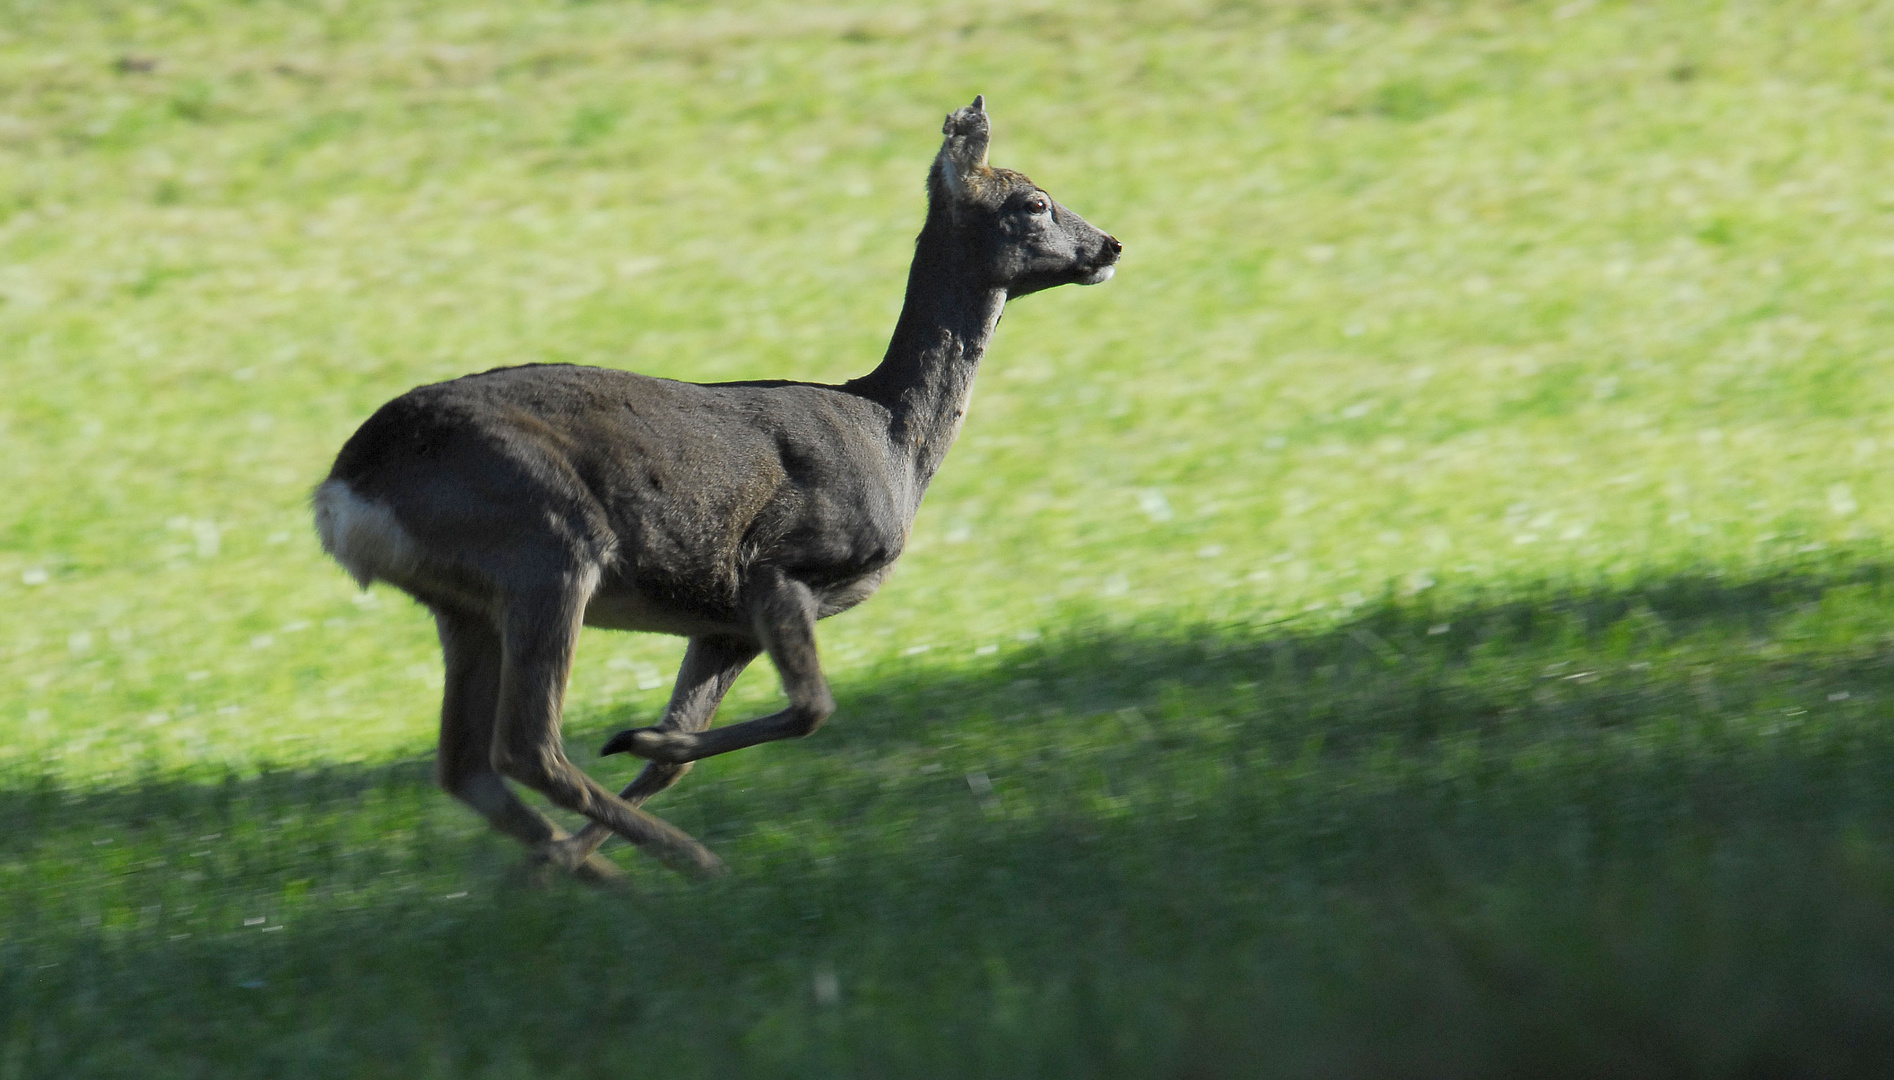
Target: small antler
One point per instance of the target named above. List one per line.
(963, 154)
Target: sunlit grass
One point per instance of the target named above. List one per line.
(1451, 547)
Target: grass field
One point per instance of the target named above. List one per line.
(1428, 616)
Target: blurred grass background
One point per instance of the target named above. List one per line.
(1428, 614)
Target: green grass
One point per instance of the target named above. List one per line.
(1428, 616)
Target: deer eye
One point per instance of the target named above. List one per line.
(1038, 204)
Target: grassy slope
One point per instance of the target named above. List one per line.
(1429, 608)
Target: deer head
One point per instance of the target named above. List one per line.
(1009, 230)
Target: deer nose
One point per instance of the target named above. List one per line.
(1112, 245)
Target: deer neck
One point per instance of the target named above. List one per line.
(926, 377)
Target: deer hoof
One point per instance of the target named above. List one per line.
(554, 860)
(600, 872)
(699, 864)
(651, 743)
(536, 871)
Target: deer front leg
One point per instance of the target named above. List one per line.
(711, 666)
(783, 611)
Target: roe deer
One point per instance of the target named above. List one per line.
(524, 502)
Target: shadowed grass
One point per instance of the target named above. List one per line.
(1412, 841)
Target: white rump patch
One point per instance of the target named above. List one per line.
(362, 535)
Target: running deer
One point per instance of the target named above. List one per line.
(525, 502)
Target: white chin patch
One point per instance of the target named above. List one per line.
(1101, 275)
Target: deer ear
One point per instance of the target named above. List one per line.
(963, 154)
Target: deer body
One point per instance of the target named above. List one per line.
(673, 490)
(523, 502)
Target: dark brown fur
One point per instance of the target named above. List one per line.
(522, 503)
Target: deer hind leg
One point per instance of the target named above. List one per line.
(783, 612)
(464, 766)
(711, 666)
(539, 635)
